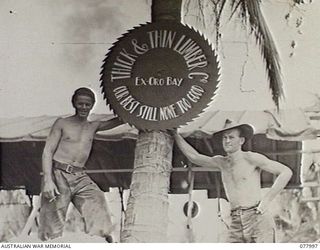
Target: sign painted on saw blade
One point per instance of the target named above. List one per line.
(160, 75)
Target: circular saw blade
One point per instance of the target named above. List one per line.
(160, 75)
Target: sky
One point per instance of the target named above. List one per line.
(239, 55)
(50, 48)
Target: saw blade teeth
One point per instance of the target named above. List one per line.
(214, 76)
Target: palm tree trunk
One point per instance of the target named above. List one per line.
(147, 209)
(166, 10)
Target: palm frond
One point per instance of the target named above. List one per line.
(219, 7)
(206, 16)
(249, 11)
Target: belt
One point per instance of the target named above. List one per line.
(242, 210)
(68, 168)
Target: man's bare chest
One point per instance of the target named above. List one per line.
(240, 170)
(78, 132)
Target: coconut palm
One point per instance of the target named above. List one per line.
(146, 214)
(252, 17)
(147, 208)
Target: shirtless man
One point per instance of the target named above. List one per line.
(240, 173)
(64, 180)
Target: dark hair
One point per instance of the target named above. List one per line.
(83, 91)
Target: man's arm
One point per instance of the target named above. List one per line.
(194, 156)
(284, 174)
(109, 124)
(49, 188)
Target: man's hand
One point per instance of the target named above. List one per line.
(50, 190)
(173, 132)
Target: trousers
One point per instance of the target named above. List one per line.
(86, 196)
(248, 226)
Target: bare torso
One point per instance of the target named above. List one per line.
(76, 141)
(241, 180)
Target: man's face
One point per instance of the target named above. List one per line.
(231, 140)
(83, 105)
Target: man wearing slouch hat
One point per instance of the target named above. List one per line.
(240, 172)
